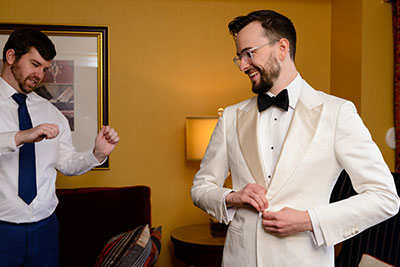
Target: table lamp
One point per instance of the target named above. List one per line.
(198, 134)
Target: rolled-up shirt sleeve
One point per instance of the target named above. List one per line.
(7, 142)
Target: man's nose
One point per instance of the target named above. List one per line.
(39, 73)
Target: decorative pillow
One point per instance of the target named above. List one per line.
(369, 261)
(138, 247)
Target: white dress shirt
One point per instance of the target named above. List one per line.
(273, 126)
(51, 154)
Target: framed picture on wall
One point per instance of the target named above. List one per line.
(77, 82)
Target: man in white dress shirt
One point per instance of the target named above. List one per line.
(285, 149)
(28, 226)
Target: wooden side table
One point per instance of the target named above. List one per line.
(195, 245)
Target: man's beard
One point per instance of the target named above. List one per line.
(267, 78)
(18, 76)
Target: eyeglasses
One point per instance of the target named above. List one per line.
(248, 55)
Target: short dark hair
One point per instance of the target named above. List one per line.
(276, 26)
(22, 39)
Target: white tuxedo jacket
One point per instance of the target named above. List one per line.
(325, 136)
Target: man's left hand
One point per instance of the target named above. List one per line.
(286, 221)
(105, 142)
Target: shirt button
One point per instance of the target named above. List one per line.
(275, 119)
(272, 147)
(269, 176)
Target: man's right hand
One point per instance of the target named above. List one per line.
(36, 134)
(251, 194)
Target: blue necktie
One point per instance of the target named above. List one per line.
(27, 163)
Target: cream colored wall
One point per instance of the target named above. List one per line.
(170, 59)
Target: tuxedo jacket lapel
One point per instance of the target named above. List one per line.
(247, 121)
(298, 139)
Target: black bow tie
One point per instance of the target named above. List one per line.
(281, 100)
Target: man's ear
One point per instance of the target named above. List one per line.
(283, 48)
(10, 56)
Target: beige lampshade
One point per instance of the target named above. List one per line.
(198, 134)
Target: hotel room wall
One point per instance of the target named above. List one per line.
(377, 73)
(362, 64)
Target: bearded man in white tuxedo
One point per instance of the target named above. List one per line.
(285, 149)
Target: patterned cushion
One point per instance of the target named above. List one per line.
(138, 247)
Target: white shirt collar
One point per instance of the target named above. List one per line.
(6, 90)
(294, 89)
